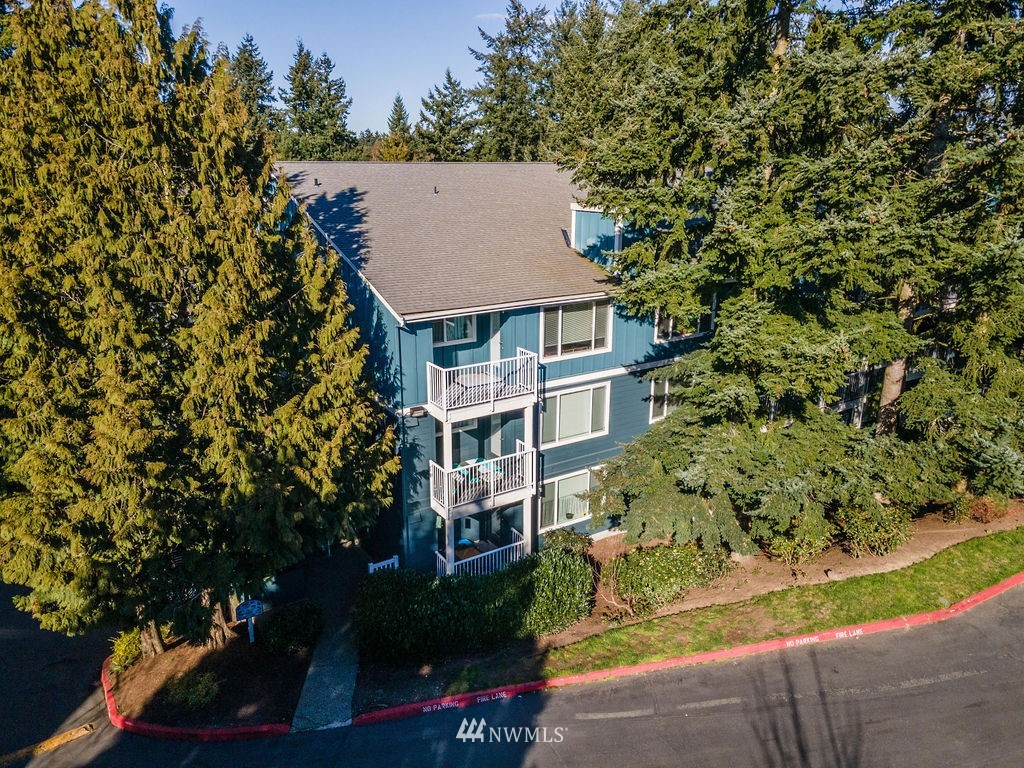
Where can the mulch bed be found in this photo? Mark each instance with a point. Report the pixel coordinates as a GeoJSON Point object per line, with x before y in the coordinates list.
{"type": "Point", "coordinates": [257, 687]}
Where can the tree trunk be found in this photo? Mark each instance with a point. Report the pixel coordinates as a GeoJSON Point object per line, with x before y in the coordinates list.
{"type": "Point", "coordinates": [152, 640]}
{"type": "Point", "coordinates": [896, 370]}
{"type": "Point", "coordinates": [782, 32]}
{"type": "Point", "coordinates": [219, 631]}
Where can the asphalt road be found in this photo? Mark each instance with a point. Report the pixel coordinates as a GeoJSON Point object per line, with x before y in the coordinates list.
{"type": "Point", "coordinates": [44, 677]}
{"type": "Point", "coordinates": [950, 694]}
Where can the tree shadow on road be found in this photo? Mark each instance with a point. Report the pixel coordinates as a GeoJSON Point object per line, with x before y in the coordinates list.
{"type": "Point", "coordinates": [804, 726]}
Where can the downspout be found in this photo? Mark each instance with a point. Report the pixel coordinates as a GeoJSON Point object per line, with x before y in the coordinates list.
{"type": "Point", "coordinates": [402, 439]}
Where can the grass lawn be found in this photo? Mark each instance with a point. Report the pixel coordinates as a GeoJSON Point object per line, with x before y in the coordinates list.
{"type": "Point", "coordinates": [938, 582]}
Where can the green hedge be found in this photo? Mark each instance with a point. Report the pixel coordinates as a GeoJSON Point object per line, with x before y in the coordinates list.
{"type": "Point", "coordinates": [404, 616]}
{"type": "Point", "coordinates": [651, 577]}
{"type": "Point", "coordinates": [563, 592]}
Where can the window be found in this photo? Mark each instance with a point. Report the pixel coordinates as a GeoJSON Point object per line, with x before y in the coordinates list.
{"type": "Point", "coordinates": [575, 415]}
{"type": "Point", "coordinates": [660, 406]}
{"type": "Point", "coordinates": [576, 329]}
{"type": "Point", "coordinates": [454, 330]}
{"type": "Point", "coordinates": [667, 329]}
{"type": "Point", "coordinates": [562, 504]}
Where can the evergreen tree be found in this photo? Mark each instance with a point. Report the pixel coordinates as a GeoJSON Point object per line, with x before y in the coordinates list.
{"type": "Point", "coordinates": [512, 96]}
{"type": "Point", "coordinates": [834, 193]}
{"type": "Point", "coordinates": [445, 128]}
{"type": "Point", "coordinates": [315, 115]}
{"type": "Point", "coordinates": [183, 409]}
{"type": "Point", "coordinates": [396, 146]}
{"type": "Point", "coordinates": [578, 35]}
{"type": "Point", "coordinates": [255, 85]}
{"type": "Point", "coordinates": [366, 145]}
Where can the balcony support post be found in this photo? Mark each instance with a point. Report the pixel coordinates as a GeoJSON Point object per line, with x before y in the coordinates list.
{"type": "Point", "coordinates": [530, 505]}
{"type": "Point", "coordinates": [447, 460]}
{"type": "Point", "coordinates": [449, 544]}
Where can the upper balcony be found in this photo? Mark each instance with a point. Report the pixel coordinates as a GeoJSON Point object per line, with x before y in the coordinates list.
{"type": "Point", "coordinates": [473, 391]}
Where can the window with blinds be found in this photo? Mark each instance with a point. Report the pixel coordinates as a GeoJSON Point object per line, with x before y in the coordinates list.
{"type": "Point", "coordinates": [561, 503]}
{"type": "Point", "coordinates": [573, 329]}
{"type": "Point", "coordinates": [576, 415]}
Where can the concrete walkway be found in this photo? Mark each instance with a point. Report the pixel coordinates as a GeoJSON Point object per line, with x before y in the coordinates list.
{"type": "Point", "coordinates": [326, 698]}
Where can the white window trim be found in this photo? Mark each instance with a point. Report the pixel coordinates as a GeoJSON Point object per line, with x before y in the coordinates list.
{"type": "Point", "coordinates": [694, 334]}
{"type": "Point", "coordinates": [654, 418]}
{"type": "Point", "coordinates": [468, 340]}
{"type": "Point", "coordinates": [607, 386]}
{"type": "Point", "coordinates": [586, 352]}
{"type": "Point", "coordinates": [566, 523]}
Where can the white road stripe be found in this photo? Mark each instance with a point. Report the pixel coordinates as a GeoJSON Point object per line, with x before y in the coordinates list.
{"type": "Point", "coordinates": [710, 703]}
{"type": "Point", "coordinates": [614, 715]}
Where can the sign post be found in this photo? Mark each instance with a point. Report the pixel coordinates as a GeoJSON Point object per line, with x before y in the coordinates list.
{"type": "Point", "coordinates": [249, 610]}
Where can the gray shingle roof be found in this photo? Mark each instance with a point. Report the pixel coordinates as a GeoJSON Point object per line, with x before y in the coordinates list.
{"type": "Point", "coordinates": [436, 238]}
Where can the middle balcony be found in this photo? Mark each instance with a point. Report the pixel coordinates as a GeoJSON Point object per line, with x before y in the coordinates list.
{"type": "Point", "coordinates": [483, 484]}
{"type": "Point", "coordinates": [472, 391]}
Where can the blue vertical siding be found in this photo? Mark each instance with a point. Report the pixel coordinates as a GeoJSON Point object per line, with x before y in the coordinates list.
{"type": "Point", "coordinates": [595, 235]}
{"type": "Point", "coordinates": [629, 416]}
{"type": "Point", "coordinates": [379, 330]}
{"type": "Point", "coordinates": [632, 343]}
{"type": "Point", "coordinates": [420, 530]}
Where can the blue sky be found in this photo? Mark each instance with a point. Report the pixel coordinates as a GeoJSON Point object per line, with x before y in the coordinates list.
{"type": "Point", "coordinates": [381, 48]}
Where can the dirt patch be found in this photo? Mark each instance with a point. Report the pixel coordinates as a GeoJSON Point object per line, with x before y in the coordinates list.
{"type": "Point", "coordinates": [388, 686]}
{"type": "Point", "coordinates": [257, 687]}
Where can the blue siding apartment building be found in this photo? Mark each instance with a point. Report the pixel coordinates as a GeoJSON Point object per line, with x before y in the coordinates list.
{"type": "Point", "coordinates": [481, 292]}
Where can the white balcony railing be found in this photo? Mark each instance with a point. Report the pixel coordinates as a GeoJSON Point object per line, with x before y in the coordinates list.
{"type": "Point", "coordinates": [485, 562]}
{"type": "Point", "coordinates": [482, 481]}
{"type": "Point", "coordinates": [482, 383]}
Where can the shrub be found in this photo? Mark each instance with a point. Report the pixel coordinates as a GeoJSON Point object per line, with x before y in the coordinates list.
{"type": "Point", "coordinates": [804, 541]}
{"type": "Point", "coordinates": [293, 628]}
{"type": "Point", "coordinates": [876, 531]}
{"type": "Point", "coordinates": [958, 510]}
{"type": "Point", "coordinates": [126, 649]}
{"type": "Point", "coordinates": [403, 616]}
{"type": "Point", "coordinates": [193, 690]}
{"type": "Point", "coordinates": [650, 577]}
{"type": "Point", "coordinates": [568, 540]}
{"type": "Point", "coordinates": [563, 591]}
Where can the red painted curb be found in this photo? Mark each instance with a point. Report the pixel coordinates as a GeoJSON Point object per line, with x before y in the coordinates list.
{"type": "Point", "coordinates": [181, 734]}
{"type": "Point", "coordinates": [843, 633]}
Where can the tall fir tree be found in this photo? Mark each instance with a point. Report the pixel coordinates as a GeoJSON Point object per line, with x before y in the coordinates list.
{"type": "Point", "coordinates": [183, 409]}
{"type": "Point", "coordinates": [315, 115]}
{"type": "Point", "coordinates": [798, 164]}
{"type": "Point", "coordinates": [577, 37]}
{"type": "Point", "coordinates": [255, 85]}
{"type": "Point", "coordinates": [512, 95]}
{"type": "Point", "coordinates": [446, 126]}
{"type": "Point", "coordinates": [397, 145]}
